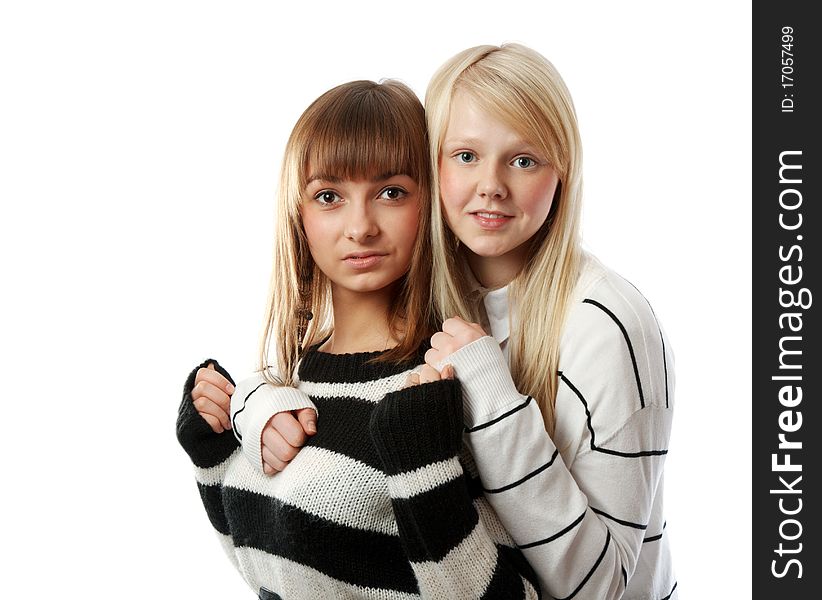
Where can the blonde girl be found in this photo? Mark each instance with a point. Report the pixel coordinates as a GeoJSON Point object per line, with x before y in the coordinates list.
{"type": "Point", "coordinates": [570, 442]}
{"type": "Point", "coordinates": [377, 504]}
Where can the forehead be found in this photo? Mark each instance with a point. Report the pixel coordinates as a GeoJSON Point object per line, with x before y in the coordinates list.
{"type": "Point", "coordinates": [470, 122]}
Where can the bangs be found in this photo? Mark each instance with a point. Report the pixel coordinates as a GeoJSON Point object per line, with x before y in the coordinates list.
{"type": "Point", "coordinates": [506, 96]}
{"type": "Point", "coordinates": [368, 134]}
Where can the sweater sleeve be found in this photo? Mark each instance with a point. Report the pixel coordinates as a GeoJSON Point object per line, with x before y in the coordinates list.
{"type": "Point", "coordinates": [580, 514]}
{"type": "Point", "coordinates": [253, 404]}
{"type": "Point", "coordinates": [417, 433]}
{"type": "Point", "coordinates": [211, 453]}
{"type": "Point", "coordinates": [205, 447]}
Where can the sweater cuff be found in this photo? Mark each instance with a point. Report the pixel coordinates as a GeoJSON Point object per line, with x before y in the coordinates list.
{"type": "Point", "coordinates": [487, 386]}
{"type": "Point", "coordinates": [418, 426]}
{"type": "Point", "coordinates": [257, 401]}
{"type": "Point", "coordinates": [205, 447]}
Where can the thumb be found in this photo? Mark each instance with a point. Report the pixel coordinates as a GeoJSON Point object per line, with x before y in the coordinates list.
{"type": "Point", "coordinates": [448, 372]}
{"type": "Point", "coordinates": [308, 419]}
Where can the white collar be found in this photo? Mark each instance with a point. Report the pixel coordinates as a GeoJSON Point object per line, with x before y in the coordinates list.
{"type": "Point", "coordinates": [496, 307]}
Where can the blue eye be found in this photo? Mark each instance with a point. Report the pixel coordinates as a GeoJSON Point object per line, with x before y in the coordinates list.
{"type": "Point", "coordinates": [393, 193]}
{"type": "Point", "coordinates": [466, 157]}
{"type": "Point", "coordinates": [523, 162]}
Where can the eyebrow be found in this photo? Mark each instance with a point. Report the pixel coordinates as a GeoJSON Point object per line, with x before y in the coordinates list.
{"type": "Point", "coordinates": [336, 179]}
{"type": "Point", "coordinates": [462, 141]}
{"type": "Point", "coordinates": [472, 142]}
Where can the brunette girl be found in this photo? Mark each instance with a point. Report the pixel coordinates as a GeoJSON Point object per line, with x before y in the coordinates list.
{"type": "Point", "coordinates": [377, 504]}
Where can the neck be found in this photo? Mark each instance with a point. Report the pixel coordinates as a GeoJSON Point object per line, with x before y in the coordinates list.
{"type": "Point", "coordinates": [497, 271]}
{"type": "Point", "coordinates": [360, 322]}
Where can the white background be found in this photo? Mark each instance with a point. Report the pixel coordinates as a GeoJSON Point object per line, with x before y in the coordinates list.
{"type": "Point", "coordinates": [139, 149]}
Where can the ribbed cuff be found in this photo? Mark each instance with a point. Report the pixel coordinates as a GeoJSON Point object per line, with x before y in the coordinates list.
{"type": "Point", "coordinates": [205, 447]}
{"type": "Point", "coordinates": [418, 425]}
{"type": "Point", "coordinates": [255, 403]}
{"type": "Point", "coordinates": [487, 386]}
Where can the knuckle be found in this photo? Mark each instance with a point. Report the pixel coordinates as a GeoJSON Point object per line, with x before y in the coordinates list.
{"type": "Point", "coordinates": [269, 437]}
{"type": "Point", "coordinates": [286, 453]}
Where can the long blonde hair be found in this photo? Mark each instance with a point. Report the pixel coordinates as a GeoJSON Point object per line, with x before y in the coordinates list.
{"type": "Point", "coordinates": [359, 129]}
{"type": "Point", "coordinates": [524, 90]}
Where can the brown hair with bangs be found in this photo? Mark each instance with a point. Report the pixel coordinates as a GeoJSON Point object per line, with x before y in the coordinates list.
{"type": "Point", "coordinates": [357, 130]}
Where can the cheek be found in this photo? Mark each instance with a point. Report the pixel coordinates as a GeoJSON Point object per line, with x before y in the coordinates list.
{"type": "Point", "coordinates": [407, 227]}
{"type": "Point", "coordinates": [316, 231]}
{"type": "Point", "coordinates": [540, 198]}
{"type": "Point", "coordinates": [452, 192]}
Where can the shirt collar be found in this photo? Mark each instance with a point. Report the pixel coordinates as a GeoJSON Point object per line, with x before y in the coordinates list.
{"type": "Point", "coordinates": [496, 307]}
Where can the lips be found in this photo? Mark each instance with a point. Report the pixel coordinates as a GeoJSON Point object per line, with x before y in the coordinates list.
{"type": "Point", "coordinates": [490, 219]}
{"type": "Point", "coordinates": [363, 260]}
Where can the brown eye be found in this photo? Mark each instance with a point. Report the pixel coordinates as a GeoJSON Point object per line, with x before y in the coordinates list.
{"type": "Point", "coordinates": [326, 197]}
{"type": "Point", "coordinates": [393, 193]}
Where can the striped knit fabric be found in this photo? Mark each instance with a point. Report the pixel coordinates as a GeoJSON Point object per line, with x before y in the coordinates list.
{"type": "Point", "coordinates": [380, 503]}
{"type": "Point", "coordinates": [585, 505]}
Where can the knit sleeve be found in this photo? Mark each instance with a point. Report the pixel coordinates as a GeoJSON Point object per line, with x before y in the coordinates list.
{"type": "Point", "coordinates": [205, 447]}
{"type": "Point", "coordinates": [253, 404]}
{"type": "Point", "coordinates": [417, 432]}
{"type": "Point", "coordinates": [211, 453]}
{"type": "Point", "coordinates": [583, 513]}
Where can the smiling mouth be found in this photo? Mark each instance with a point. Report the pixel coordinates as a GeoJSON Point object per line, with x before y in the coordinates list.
{"type": "Point", "coordinates": [490, 220]}
{"type": "Point", "coordinates": [490, 215]}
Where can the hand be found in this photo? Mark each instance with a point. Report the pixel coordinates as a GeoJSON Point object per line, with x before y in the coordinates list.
{"type": "Point", "coordinates": [284, 435]}
{"type": "Point", "coordinates": [428, 374]}
{"type": "Point", "coordinates": [455, 334]}
{"type": "Point", "coordinates": [211, 395]}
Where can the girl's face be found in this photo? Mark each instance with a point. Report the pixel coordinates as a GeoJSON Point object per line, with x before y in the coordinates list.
{"type": "Point", "coordinates": [496, 188]}
{"type": "Point", "coordinates": [361, 233]}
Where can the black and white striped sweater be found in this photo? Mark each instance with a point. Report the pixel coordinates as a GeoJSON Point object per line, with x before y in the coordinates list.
{"type": "Point", "coordinates": [378, 504]}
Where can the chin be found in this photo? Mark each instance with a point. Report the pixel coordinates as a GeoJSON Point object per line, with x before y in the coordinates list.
{"type": "Point", "coordinates": [488, 249]}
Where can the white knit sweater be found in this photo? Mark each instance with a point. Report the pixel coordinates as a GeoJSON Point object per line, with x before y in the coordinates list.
{"type": "Point", "coordinates": [586, 506]}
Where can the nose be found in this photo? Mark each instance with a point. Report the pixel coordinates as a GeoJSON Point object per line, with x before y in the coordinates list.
{"type": "Point", "coordinates": [360, 222]}
{"type": "Point", "coordinates": [491, 183]}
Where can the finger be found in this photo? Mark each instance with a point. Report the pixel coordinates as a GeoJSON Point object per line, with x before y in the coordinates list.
{"type": "Point", "coordinates": [206, 406]}
{"type": "Point", "coordinates": [429, 374]}
{"type": "Point", "coordinates": [454, 325]}
{"type": "Point", "coordinates": [213, 422]}
{"type": "Point", "coordinates": [215, 378]}
{"type": "Point", "coordinates": [458, 327]}
{"type": "Point", "coordinates": [272, 463]}
{"type": "Point", "coordinates": [442, 341]}
{"type": "Point", "coordinates": [434, 357]}
{"type": "Point", "coordinates": [447, 372]}
{"type": "Point", "coordinates": [464, 333]}
{"type": "Point", "coordinates": [276, 444]}
{"type": "Point", "coordinates": [289, 427]}
{"type": "Point", "coordinates": [412, 380]}
{"type": "Point", "coordinates": [213, 393]}
{"type": "Point", "coordinates": [308, 419]}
